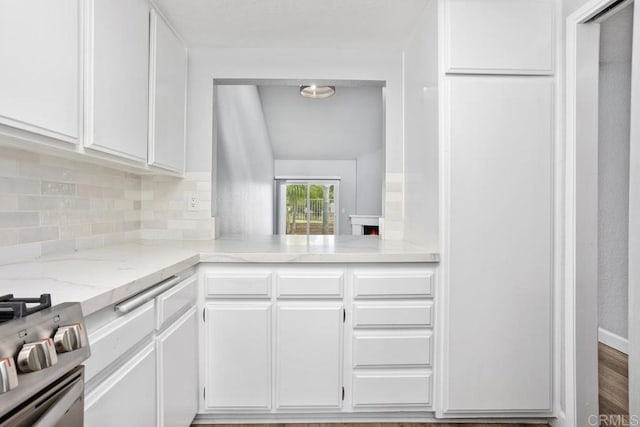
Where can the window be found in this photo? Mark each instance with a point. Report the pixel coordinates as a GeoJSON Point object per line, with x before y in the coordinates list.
{"type": "Point", "coordinates": [307, 206]}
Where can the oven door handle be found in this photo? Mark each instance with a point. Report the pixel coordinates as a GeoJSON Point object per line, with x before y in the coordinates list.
{"type": "Point", "coordinates": [54, 414]}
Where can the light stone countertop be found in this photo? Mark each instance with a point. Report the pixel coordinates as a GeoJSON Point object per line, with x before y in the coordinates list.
{"type": "Point", "coordinates": [100, 277]}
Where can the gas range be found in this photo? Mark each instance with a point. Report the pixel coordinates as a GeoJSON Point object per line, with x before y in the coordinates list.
{"type": "Point", "coordinates": [41, 348]}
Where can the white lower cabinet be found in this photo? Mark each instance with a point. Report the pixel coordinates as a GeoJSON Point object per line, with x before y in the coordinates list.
{"type": "Point", "coordinates": [282, 339]}
{"type": "Point", "coordinates": [143, 370]}
{"type": "Point", "coordinates": [238, 356]}
{"type": "Point", "coordinates": [178, 371]}
{"type": "Point", "coordinates": [124, 398]}
{"type": "Point", "coordinates": [309, 354]}
{"type": "Point", "coordinates": [392, 389]}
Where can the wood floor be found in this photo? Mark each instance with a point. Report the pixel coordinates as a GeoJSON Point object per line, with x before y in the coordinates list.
{"type": "Point", "coordinates": [613, 376]}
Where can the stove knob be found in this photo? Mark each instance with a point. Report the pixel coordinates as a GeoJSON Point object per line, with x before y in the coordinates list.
{"type": "Point", "coordinates": [37, 355]}
{"type": "Point", "coordinates": [8, 375]}
{"type": "Point", "coordinates": [69, 338]}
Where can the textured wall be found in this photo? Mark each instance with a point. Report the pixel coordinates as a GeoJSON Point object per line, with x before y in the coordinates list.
{"type": "Point", "coordinates": [613, 171]}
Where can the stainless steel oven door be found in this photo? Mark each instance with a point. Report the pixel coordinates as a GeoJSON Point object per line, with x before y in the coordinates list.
{"type": "Point", "coordinates": [61, 404]}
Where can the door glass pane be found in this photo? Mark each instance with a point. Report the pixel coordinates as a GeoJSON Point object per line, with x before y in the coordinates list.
{"type": "Point", "coordinates": [296, 209]}
{"type": "Point", "coordinates": [321, 209]}
{"type": "Point", "coordinates": [310, 208]}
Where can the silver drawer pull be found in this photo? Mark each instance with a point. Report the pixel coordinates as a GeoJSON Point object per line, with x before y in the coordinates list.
{"type": "Point", "coordinates": [140, 299]}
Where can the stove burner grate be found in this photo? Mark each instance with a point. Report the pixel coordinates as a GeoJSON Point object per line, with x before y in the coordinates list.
{"type": "Point", "coordinates": [15, 308]}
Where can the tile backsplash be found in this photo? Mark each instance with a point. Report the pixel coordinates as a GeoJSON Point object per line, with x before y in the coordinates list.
{"type": "Point", "coordinates": [51, 204]}
{"type": "Point", "coordinates": [166, 213]}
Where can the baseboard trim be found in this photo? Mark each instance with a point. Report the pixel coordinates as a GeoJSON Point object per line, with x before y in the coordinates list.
{"type": "Point", "coordinates": [359, 418]}
{"type": "Point", "coordinates": [613, 340]}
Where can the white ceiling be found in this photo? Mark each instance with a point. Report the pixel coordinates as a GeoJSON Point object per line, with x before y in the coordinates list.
{"type": "Point", "coordinates": [293, 23]}
{"type": "Point", "coordinates": [343, 127]}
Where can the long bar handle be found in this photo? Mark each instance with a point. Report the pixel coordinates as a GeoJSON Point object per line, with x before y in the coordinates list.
{"type": "Point", "coordinates": [140, 299]}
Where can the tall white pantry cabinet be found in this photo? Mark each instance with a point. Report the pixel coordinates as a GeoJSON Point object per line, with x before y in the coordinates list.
{"type": "Point", "coordinates": [497, 150]}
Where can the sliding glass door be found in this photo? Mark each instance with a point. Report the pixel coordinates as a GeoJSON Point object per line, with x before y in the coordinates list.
{"type": "Point", "coordinates": [307, 207]}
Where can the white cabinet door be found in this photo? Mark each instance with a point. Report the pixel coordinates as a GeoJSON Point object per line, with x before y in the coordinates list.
{"type": "Point", "coordinates": [128, 396]}
{"type": "Point", "coordinates": [499, 36]}
{"type": "Point", "coordinates": [178, 372]}
{"type": "Point", "coordinates": [238, 356]}
{"type": "Point", "coordinates": [40, 71]}
{"type": "Point", "coordinates": [309, 355]}
{"type": "Point", "coordinates": [168, 97]}
{"type": "Point", "coordinates": [118, 78]}
{"type": "Point", "coordinates": [497, 260]}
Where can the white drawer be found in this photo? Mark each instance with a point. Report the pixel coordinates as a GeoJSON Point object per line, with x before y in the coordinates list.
{"type": "Point", "coordinates": [116, 337]}
{"type": "Point", "coordinates": [393, 284]}
{"type": "Point", "coordinates": [310, 285]}
{"type": "Point", "coordinates": [392, 349]}
{"type": "Point", "coordinates": [176, 300]}
{"type": "Point", "coordinates": [232, 285]}
{"type": "Point", "coordinates": [417, 314]}
{"type": "Point", "coordinates": [392, 390]}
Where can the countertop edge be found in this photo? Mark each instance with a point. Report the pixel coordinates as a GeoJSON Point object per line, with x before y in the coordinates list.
{"type": "Point", "coordinates": [332, 258]}
{"type": "Point", "coordinates": [125, 291]}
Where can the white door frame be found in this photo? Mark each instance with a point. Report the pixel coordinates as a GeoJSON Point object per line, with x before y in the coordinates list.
{"type": "Point", "coordinates": [580, 216]}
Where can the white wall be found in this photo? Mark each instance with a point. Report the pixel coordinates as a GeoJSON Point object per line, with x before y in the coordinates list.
{"type": "Point", "coordinates": [370, 183]}
{"type": "Point", "coordinates": [345, 169]}
{"type": "Point", "coordinates": [345, 129]}
{"type": "Point", "coordinates": [341, 127]}
{"type": "Point", "coordinates": [570, 6]}
{"type": "Point", "coordinates": [421, 133]}
{"type": "Point", "coordinates": [244, 194]}
{"type": "Point", "coordinates": [613, 171]}
{"type": "Point", "coordinates": [332, 64]}
{"type": "Point", "coordinates": [206, 64]}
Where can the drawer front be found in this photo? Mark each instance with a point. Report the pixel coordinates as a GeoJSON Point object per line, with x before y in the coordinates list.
{"type": "Point", "coordinates": [176, 300]}
{"type": "Point", "coordinates": [393, 285]}
{"type": "Point", "coordinates": [405, 314]}
{"type": "Point", "coordinates": [115, 338]}
{"type": "Point", "coordinates": [239, 285]}
{"type": "Point", "coordinates": [291, 285]}
{"type": "Point", "coordinates": [391, 350]}
{"type": "Point", "coordinates": [391, 390]}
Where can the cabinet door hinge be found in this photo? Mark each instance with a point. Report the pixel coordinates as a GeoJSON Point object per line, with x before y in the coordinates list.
{"type": "Point", "coordinates": [344, 315]}
{"type": "Point", "coordinates": [204, 312]}
{"type": "Point", "coordinates": [342, 392]}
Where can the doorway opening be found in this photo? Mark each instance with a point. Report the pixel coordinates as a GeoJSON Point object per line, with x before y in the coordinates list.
{"type": "Point", "coordinates": [599, 187]}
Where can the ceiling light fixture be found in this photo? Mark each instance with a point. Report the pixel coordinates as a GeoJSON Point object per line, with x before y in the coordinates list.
{"type": "Point", "coordinates": [317, 92]}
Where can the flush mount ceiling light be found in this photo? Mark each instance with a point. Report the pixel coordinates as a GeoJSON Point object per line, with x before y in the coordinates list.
{"type": "Point", "coordinates": [317, 92]}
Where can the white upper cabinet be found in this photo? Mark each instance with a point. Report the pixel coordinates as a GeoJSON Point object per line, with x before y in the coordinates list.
{"type": "Point", "coordinates": [117, 90]}
{"type": "Point", "coordinates": [499, 36]}
{"type": "Point", "coordinates": [40, 71]}
{"type": "Point", "coordinates": [168, 76]}
{"type": "Point", "coordinates": [498, 347]}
